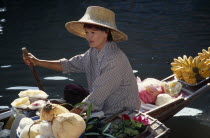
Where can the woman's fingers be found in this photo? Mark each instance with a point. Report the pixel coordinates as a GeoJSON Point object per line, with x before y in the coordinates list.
{"type": "Point", "coordinates": [29, 59]}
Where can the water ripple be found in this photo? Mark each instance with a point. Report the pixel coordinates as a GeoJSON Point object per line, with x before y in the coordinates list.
{"type": "Point", "coordinates": [57, 78]}
{"type": "Point", "coordinates": [6, 66]}
{"type": "Point", "coordinates": [189, 112]}
{"type": "Point", "coordinates": [3, 9]}
{"type": "Point", "coordinates": [22, 88]}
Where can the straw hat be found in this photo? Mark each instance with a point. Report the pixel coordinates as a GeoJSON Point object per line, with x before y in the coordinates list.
{"type": "Point", "coordinates": [97, 16]}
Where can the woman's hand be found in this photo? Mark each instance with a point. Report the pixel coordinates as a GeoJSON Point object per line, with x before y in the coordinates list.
{"type": "Point", "coordinates": [30, 59]}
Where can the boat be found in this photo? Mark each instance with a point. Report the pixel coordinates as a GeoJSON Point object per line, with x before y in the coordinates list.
{"type": "Point", "coordinates": [191, 92]}
{"type": "Point", "coordinates": [155, 129]}
{"type": "Point", "coordinates": [158, 114]}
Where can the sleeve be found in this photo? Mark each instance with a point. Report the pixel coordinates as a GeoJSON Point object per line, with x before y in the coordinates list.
{"type": "Point", "coordinates": [75, 64]}
{"type": "Point", "coordinates": [104, 85]}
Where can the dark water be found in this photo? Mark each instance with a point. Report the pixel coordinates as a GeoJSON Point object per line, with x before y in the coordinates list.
{"type": "Point", "coordinates": [158, 32]}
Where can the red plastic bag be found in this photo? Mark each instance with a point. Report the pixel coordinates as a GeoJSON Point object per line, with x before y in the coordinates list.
{"type": "Point", "coordinates": [149, 89]}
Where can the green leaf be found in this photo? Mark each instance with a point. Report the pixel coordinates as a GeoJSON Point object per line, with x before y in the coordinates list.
{"type": "Point", "coordinates": [63, 104]}
{"type": "Point", "coordinates": [139, 125]}
{"type": "Point", "coordinates": [89, 110]}
{"type": "Point", "coordinates": [109, 135]}
{"type": "Point", "coordinates": [93, 120]}
{"type": "Point", "coordinates": [92, 133]}
{"type": "Point", "coordinates": [106, 127]}
{"type": "Point", "coordinates": [89, 127]}
{"type": "Point", "coordinates": [78, 105]}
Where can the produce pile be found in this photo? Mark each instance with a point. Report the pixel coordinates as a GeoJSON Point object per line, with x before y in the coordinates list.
{"type": "Point", "coordinates": [192, 70]}
{"type": "Point", "coordinates": [154, 92]}
{"type": "Point", "coordinates": [55, 122]}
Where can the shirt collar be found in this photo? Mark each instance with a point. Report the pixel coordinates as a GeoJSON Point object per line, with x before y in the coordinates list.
{"type": "Point", "coordinates": [104, 51]}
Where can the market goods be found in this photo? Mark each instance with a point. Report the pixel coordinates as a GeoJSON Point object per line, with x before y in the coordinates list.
{"type": "Point", "coordinates": [46, 129]}
{"type": "Point", "coordinates": [23, 123]}
{"type": "Point", "coordinates": [50, 111]}
{"type": "Point", "coordinates": [68, 125]}
{"type": "Point", "coordinates": [172, 87]}
{"type": "Point", "coordinates": [163, 99]}
{"type": "Point", "coordinates": [30, 131]}
{"type": "Point", "coordinates": [37, 105]}
{"type": "Point", "coordinates": [189, 69]}
{"type": "Point", "coordinates": [21, 103]}
{"type": "Point", "coordinates": [33, 94]}
{"type": "Point", "coordinates": [205, 54]}
{"type": "Point", "coordinates": [149, 88]}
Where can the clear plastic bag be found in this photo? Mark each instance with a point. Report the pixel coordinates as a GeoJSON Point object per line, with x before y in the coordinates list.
{"type": "Point", "coordinates": [149, 89]}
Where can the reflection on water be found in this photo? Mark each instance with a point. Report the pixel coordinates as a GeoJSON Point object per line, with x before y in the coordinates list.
{"type": "Point", "coordinates": [158, 32]}
{"type": "Point", "coordinates": [6, 66]}
{"type": "Point", "coordinates": [2, 20]}
{"type": "Point", "coordinates": [58, 78]}
{"type": "Point", "coordinates": [22, 88]}
{"type": "Point", "coordinates": [189, 112]}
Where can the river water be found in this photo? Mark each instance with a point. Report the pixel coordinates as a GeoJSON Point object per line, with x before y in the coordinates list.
{"type": "Point", "coordinates": [158, 32]}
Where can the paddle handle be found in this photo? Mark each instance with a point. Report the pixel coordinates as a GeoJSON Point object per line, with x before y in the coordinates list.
{"type": "Point", "coordinates": [36, 77]}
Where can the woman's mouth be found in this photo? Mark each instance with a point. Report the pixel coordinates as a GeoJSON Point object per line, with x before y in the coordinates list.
{"type": "Point", "coordinates": [90, 41]}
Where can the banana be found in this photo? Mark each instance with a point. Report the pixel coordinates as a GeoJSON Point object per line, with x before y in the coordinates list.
{"type": "Point", "coordinates": [201, 63]}
{"type": "Point", "coordinates": [189, 60]}
{"type": "Point", "coordinates": [178, 62]}
{"type": "Point", "coordinates": [191, 81]}
{"type": "Point", "coordinates": [197, 60]}
{"type": "Point", "coordinates": [207, 61]}
{"type": "Point", "coordinates": [180, 59]}
{"type": "Point", "coordinates": [205, 52]}
{"type": "Point", "coordinates": [205, 74]}
{"type": "Point", "coordinates": [174, 64]}
{"type": "Point", "coordinates": [175, 68]}
{"type": "Point", "coordinates": [192, 69]}
{"type": "Point", "coordinates": [185, 60]}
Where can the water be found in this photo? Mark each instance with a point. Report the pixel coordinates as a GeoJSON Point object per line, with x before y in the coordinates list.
{"type": "Point", "coordinates": [158, 32]}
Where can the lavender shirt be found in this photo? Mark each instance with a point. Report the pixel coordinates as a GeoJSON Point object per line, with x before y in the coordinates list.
{"type": "Point", "coordinates": [110, 78]}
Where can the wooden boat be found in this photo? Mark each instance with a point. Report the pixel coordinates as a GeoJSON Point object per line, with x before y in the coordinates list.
{"type": "Point", "coordinates": [165, 112]}
{"type": "Point", "coordinates": [155, 129]}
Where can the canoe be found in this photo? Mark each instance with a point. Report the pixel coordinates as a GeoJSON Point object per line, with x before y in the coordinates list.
{"type": "Point", "coordinates": [161, 113]}
{"type": "Point", "coordinates": [155, 129]}
{"type": "Point", "coordinates": [191, 92]}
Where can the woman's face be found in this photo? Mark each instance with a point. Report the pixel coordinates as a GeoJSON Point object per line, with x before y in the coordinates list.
{"type": "Point", "coordinates": [96, 38]}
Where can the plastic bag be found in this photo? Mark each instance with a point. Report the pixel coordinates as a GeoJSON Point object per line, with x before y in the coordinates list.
{"type": "Point", "coordinates": [149, 89]}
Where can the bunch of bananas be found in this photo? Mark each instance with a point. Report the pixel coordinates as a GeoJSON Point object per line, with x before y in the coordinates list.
{"type": "Point", "coordinates": [192, 70]}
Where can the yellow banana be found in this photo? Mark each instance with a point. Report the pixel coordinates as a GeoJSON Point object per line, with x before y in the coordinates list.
{"type": "Point", "coordinates": [174, 64]}
{"type": "Point", "coordinates": [207, 61]}
{"type": "Point", "coordinates": [175, 68]}
{"type": "Point", "coordinates": [189, 60]}
{"type": "Point", "coordinates": [185, 60]}
{"type": "Point", "coordinates": [205, 74]}
{"type": "Point", "coordinates": [201, 63]}
{"type": "Point", "coordinates": [209, 49]}
{"type": "Point", "coordinates": [205, 52]}
{"type": "Point", "coordinates": [180, 59]}
{"type": "Point", "coordinates": [197, 60]}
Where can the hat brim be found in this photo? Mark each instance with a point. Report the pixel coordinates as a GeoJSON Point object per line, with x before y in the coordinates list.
{"type": "Point", "coordinates": [76, 28]}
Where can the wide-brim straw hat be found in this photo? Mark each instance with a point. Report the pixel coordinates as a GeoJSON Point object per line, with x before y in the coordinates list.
{"type": "Point", "coordinates": [97, 16]}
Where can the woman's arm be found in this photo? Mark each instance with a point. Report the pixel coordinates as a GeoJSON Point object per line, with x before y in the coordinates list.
{"type": "Point", "coordinates": [50, 64]}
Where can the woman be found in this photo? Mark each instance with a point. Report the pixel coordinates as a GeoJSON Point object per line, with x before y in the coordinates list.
{"type": "Point", "coordinates": [111, 82]}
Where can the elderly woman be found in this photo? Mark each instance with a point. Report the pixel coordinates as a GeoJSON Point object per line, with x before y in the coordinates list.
{"type": "Point", "coordinates": [111, 83]}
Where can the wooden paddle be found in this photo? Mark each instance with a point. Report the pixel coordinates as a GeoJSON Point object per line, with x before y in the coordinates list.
{"type": "Point", "coordinates": [31, 66]}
